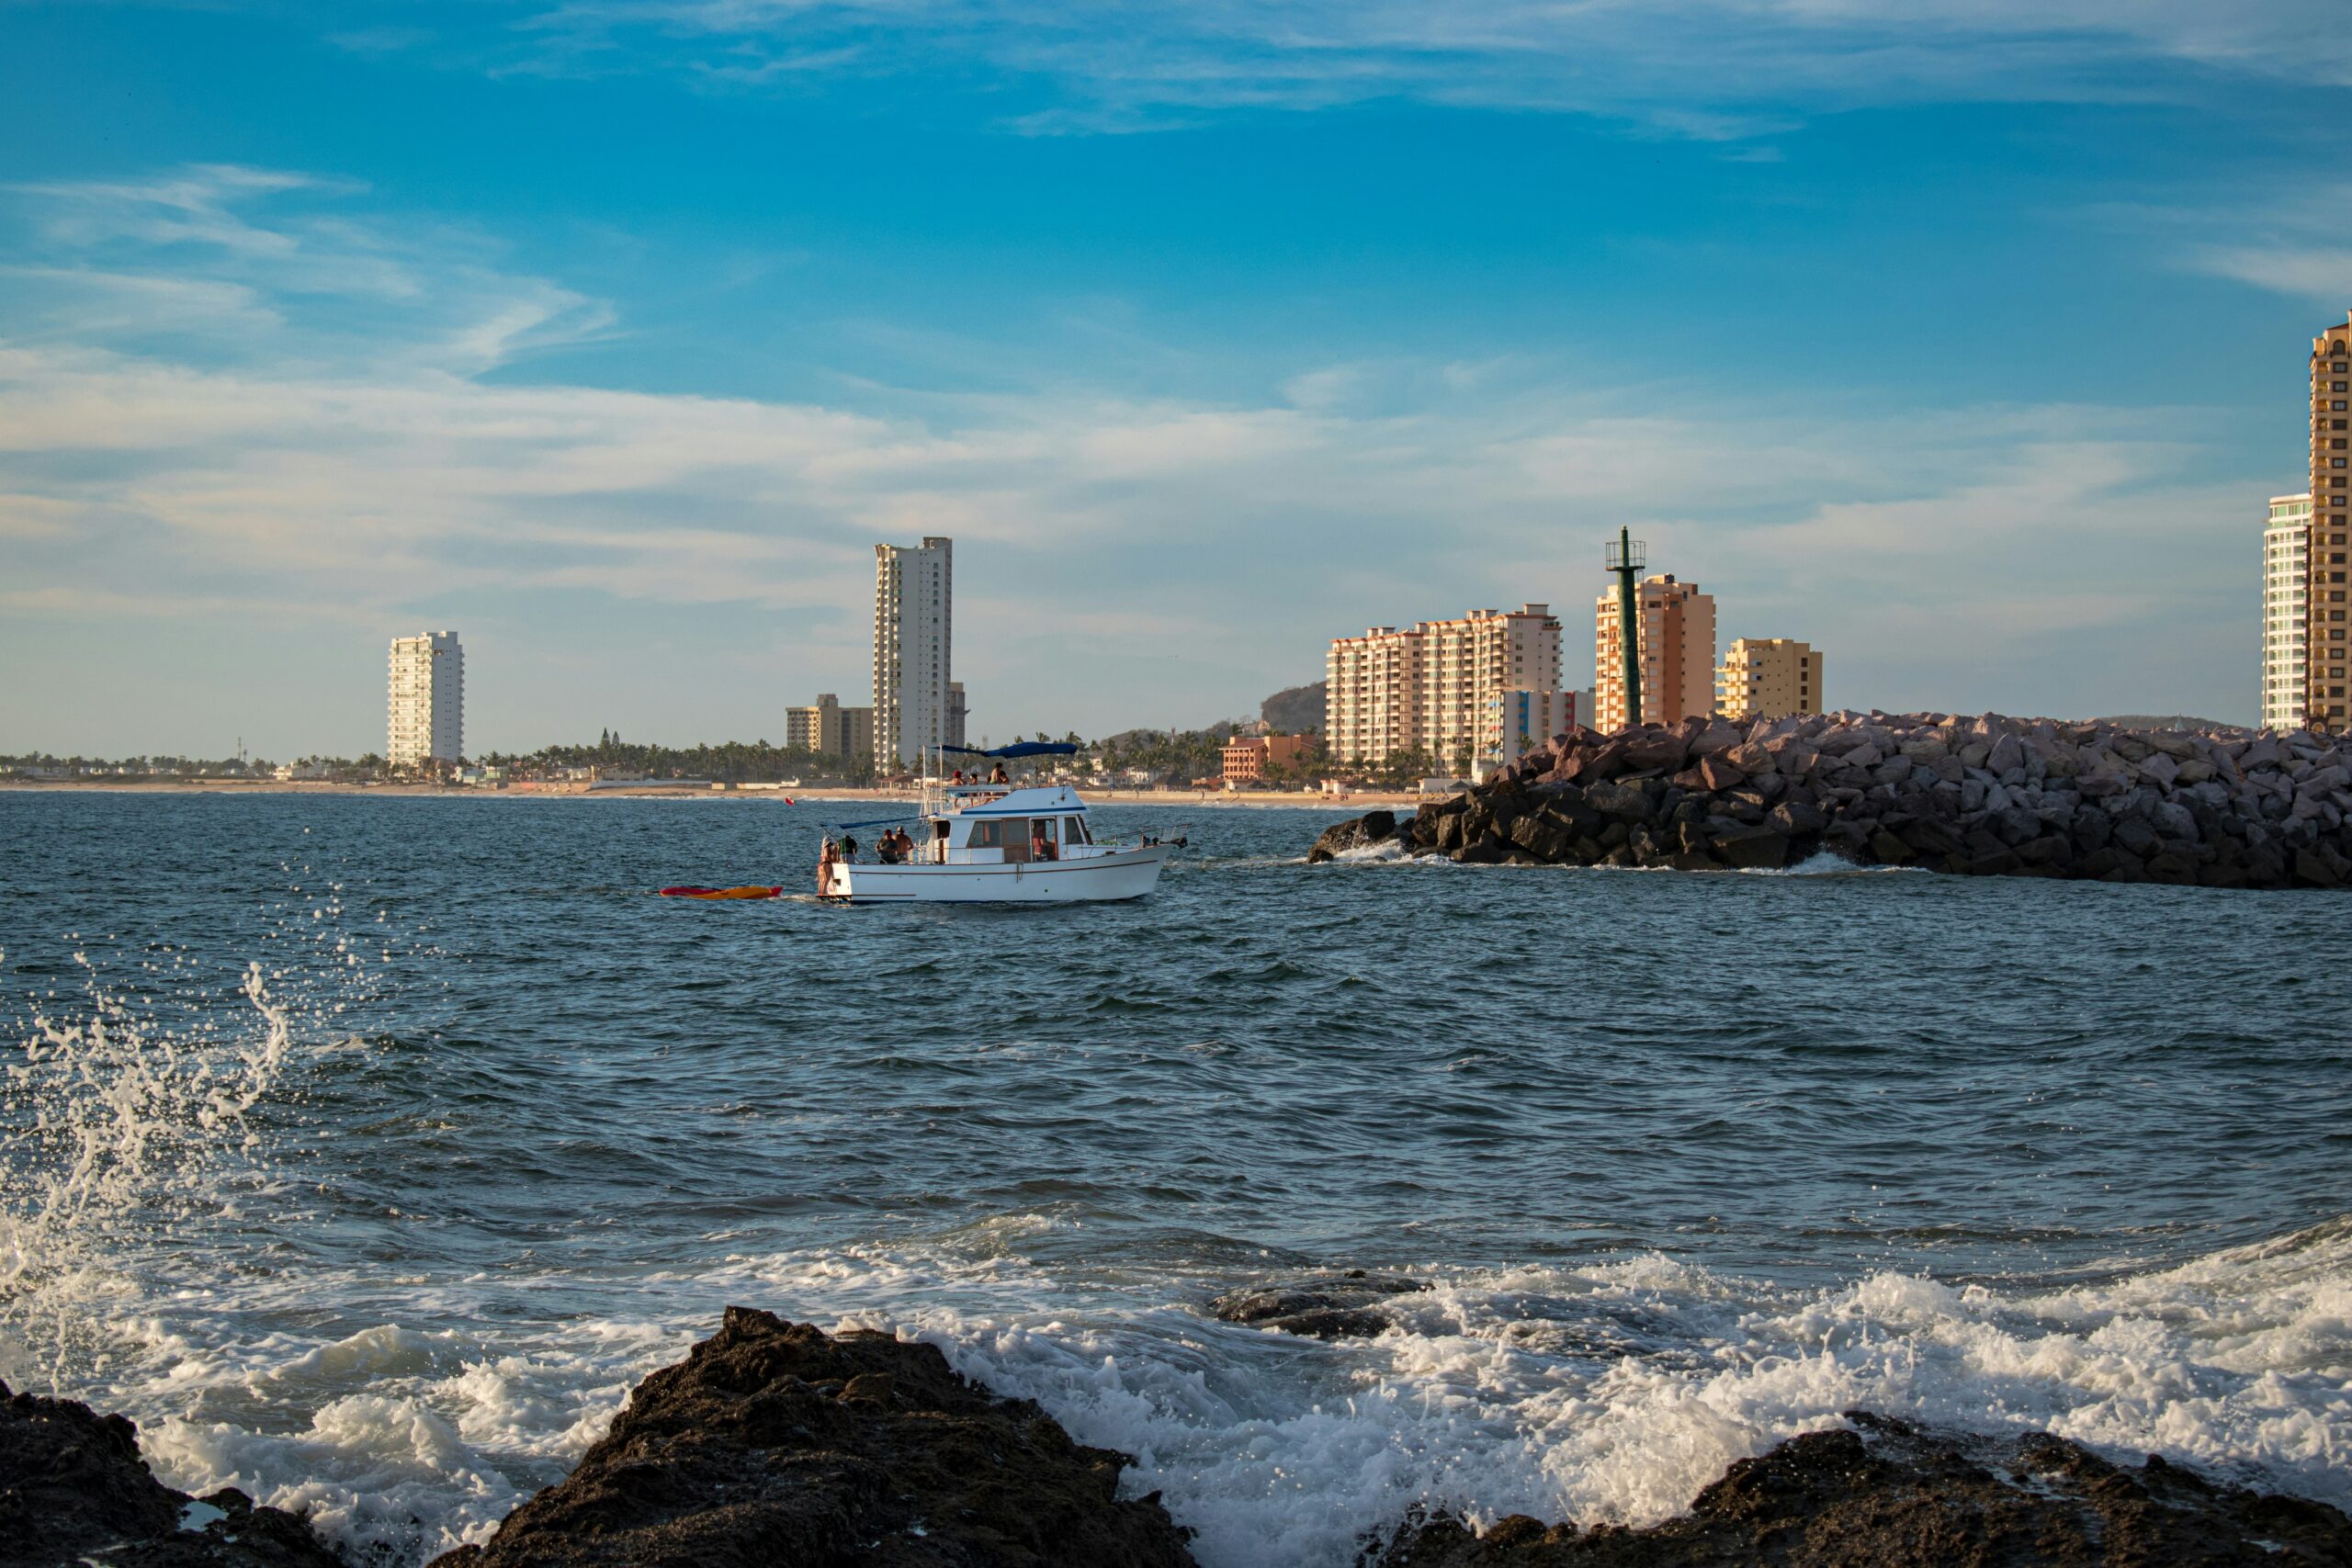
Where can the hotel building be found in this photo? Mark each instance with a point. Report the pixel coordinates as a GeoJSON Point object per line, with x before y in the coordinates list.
{"type": "Point", "coordinates": [1675, 643]}
{"type": "Point", "coordinates": [2286, 569]}
{"type": "Point", "coordinates": [2323, 640]}
{"type": "Point", "coordinates": [1247, 757]}
{"type": "Point", "coordinates": [1768, 677]}
{"type": "Point", "coordinates": [427, 718]}
{"type": "Point", "coordinates": [826, 726]}
{"type": "Point", "coordinates": [913, 606]}
{"type": "Point", "coordinates": [1434, 687]}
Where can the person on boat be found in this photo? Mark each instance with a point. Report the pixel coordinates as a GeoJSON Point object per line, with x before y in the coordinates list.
{"type": "Point", "coordinates": [1041, 847]}
{"type": "Point", "coordinates": [849, 847]}
{"type": "Point", "coordinates": [996, 774]}
{"type": "Point", "coordinates": [959, 778]}
{"type": "Point", "coordinates": [826, 857]}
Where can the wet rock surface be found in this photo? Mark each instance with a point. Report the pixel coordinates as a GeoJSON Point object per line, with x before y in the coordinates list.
{"type": "Point", "coordinates": [774, 1442]}
{"type": "Point", "coordinates": [74, 1489]}
{"type": "Point", "coordinates": [1887, 1495]}
{"type": "Point", "coordinates": [1983, 797]}
{"type": "Point", "coordinates": [1323, 1307]}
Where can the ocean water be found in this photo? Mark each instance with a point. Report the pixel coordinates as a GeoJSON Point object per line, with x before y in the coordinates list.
{"type": "Point", "coordinates": [367, 1151]}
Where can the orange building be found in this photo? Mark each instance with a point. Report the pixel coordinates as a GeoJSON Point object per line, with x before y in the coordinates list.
{"type": "Point", "coordinates": [2323, 638]}
{"type": "Point", "coordinates": [1246, 758]}
{"type": "Point", "coordinates": [1675, 641]}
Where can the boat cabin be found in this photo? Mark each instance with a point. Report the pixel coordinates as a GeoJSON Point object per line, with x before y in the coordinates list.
{"type": "Point", "coordinates": [1001, 824]}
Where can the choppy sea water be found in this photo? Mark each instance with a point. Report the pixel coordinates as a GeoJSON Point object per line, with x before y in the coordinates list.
{"type": "Point", "coordinates": [367, 1151]}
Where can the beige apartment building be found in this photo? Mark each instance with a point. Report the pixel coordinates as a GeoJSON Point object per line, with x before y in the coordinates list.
{"type": "Point", "coordinates": [2323, 639]}
{"type": "Point", "coordinates": [2286, 574]}
{"type": "Point", "coordinates": [1434, 687]}
{"type": "Point", "coordinates": [826, 726]}
{"type": "Point", "coordinates": [425, 717]}
{"type": "Point", "coordinates": [1675, 642]}
{"type": "Point", "coordinates": [1768, 677]}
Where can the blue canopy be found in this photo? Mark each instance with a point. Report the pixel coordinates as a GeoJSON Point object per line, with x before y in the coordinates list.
{"type": "Point", "coordinates": [1019, 748]}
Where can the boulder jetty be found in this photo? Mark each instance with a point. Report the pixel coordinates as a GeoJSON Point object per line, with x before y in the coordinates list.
{"type": "Point", "coordinates": [1974, 796]}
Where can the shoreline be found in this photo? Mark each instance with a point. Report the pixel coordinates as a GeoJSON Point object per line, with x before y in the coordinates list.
{"type": "Point", "coordinates": [1355, 801]}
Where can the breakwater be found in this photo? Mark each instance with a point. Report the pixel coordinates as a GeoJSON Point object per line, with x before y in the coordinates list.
{"type": "Point", "coordinates": [1983, 797]}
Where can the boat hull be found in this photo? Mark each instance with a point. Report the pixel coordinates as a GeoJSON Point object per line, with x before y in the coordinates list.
{"type": "Point", "coordinates": [1097, 879]}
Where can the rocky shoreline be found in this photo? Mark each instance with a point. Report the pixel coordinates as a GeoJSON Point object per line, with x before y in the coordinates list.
{"type": "Point", "coordinates": [1983, 797]}
{"type": "Point", "coordinates": [777, 1443]}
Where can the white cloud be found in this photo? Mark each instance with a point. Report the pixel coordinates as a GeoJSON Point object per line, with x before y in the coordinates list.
{"type": "Point", "coordinates": [1123, 555]}
{"type": "Point", "coordinates": [1725, 70]}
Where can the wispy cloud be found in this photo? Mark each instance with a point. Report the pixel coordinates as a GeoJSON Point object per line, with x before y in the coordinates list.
{"type": "Point", "coordinates": [370, 476]}
{"type": "Point", "coordinates": [1730, 70]}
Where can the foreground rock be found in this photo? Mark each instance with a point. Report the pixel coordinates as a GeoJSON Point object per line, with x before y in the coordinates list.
{"type": "Point", "coordinates": [774, 1442]}
{"type": "Point", "coordinates": [1984, 796]}
{"type": "Point", "coordinates": [74, 1489]}
{"type": "Point", "coordinates": [1326, 1307]}
{"type": "Point", "coordinates": [1888, 1495]}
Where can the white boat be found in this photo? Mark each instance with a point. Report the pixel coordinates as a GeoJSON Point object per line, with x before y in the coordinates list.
{"type": "Point", "coordinates": [998, 843]}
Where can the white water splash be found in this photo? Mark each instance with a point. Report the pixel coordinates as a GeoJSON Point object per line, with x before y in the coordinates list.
{"type": "Point", "coordinates": [119, 1133]}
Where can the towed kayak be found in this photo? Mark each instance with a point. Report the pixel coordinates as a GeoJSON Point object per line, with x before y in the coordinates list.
{"type": "Point", "coordinates": [721, 892]}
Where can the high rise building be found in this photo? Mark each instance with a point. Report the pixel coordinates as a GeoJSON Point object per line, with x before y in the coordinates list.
{"type": "Point", "coordinates": [826, 726]}
{"type": "Point", "coordinates": [1674, 643]}
{"type": "Point", "coordinates": [955, 714]}
{"type": "Point", "coordinates": [1768, 677]}
{"type": "Point", "coordinates": [427, 720]}
{"type": "Point", "coordinates": [1433, 686]}
{"type": "Point", "coordinates": [2286, 569]}
{"type": "Point", "coordinates": [2324, 641]}
{"type": "Point", "coordinates": [914, 605]}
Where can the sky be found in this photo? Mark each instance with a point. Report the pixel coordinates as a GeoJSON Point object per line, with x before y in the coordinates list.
{"type": "Point", "coordinates": [1964, 339]}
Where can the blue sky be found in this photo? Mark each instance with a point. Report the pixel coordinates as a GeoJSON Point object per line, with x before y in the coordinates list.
{"type": "Point", "coordinates": [1964, 339]}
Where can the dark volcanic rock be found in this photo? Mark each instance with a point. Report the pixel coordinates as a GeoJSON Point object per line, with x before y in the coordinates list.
{"type": "Point", "coordinates": [1328, 1306]}
{"type": "Point", "coordinates": [1984, 796]}
{"type": "Point", "coordinates": [1889, 1496]}
{"type": "Point", "coordinates": [74, 1489]}
{"type": "Point", "coordinates": [1356, 833]}
{"type": "Point", "coordinates": [774, 1442]}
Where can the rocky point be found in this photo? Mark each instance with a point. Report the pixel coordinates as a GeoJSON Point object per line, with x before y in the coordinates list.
{"type": "Point", "coordinates": [1982, 797]}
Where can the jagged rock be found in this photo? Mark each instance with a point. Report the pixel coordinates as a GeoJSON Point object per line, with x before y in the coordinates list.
{"type": "Point", "coordinates": [1888, 1495]}
{"type": "Point", "coordinates": [1988, 796]}
{"type": "Point", "coordinates": [1356, 833]}
{"type": "Point", "coordinates": [74, 1489]}
{"type": "Point", "coordinates": [1322, 1306]}
{"type": "Point", "coordinates": [778, 1442]}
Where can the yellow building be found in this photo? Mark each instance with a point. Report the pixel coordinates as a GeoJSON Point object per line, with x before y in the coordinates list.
{"type": "Point", "coordinates": [1434, 687]}
{"type": "Point", "coordinates": [1675, 640]}
{"type": "Point", "coordinates": [827, 726]}
{"type": "Point", "coordinates": [1768, 677]}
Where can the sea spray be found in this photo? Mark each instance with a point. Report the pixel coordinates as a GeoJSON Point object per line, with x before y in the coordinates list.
{"type": "Point", "coordinates": [121, 1135]}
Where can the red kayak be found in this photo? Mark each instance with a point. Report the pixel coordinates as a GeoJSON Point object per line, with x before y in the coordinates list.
{"type": "Point", "coordinates": [721, 892]}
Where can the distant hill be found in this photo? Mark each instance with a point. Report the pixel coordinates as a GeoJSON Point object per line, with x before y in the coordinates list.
{"type": "Point", "coordinates": [1299, 708]}
{"type": "Point", "coordinates": [2163, 721]}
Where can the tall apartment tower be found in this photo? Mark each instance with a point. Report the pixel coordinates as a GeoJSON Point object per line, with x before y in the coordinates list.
{"type": "Point", "coordinates": [2324, 641]}
{"type": "Point", "coordinates": [913, 602]}
{"type": "Point", "coordinates": [1436, 686]}
{"type": "Point", "coordinates": [1768, 677]}
{"type": "Point", "coordinates": [427, 720]}
{"type": "Point", "coordinates": [2286, 570]}
{"type": "Point", "coordinates": [1675, 640]}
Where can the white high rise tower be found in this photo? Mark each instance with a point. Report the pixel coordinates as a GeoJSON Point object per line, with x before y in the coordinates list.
{"type": "Point", "coordinates": [2286, 577]}
{"type": "Point", "coordinates": [913, 602]}
{"type": "Point", "coordinates": [428, 700]}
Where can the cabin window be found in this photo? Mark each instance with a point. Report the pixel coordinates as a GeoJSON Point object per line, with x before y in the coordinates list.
{"type": "Point", "coordinates": [1074, 831]}
{"type": "Point", "coordinates": [1003, 834]}
{"type": "Point", "coordinates": [1044, 839]}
